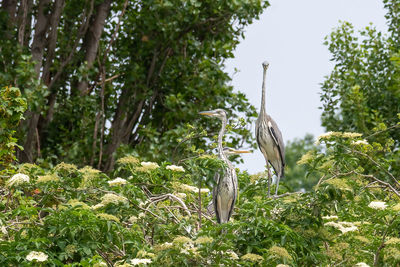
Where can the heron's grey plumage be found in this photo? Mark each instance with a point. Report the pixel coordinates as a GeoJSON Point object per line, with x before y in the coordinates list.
{"type": "Point", "coordinates": [225, 190]}
{"type": "Point", "coordinates": [269, 138]}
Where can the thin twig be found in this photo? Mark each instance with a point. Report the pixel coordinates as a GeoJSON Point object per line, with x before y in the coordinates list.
{"type": "Point", "coordinates": [378, 165]}
{"type": "Point", "coordinates": [172, 197]}
{"type": "Point", "coordinates": [376, 256]}
{"type": "Point", "coordinates": [380, 181]}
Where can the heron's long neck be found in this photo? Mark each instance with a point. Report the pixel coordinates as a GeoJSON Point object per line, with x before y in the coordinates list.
{"type": "Point", "coordinates": [220, 136]}
{"type": "Point", "coordinates": [262, 110]}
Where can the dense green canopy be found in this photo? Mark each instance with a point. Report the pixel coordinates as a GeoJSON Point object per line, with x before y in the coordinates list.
{"type": "Point", "coordinates": [101, 74]}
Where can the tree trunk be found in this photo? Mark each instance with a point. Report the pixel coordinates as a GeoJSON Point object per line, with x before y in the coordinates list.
{"type": "Point", "coordinates": [92, 39]}
{"type": "Point", "coordinates": [38, 45]}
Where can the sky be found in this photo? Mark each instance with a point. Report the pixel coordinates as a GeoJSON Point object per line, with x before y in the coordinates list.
{"type": "Point", "coordinates": [290, 36]}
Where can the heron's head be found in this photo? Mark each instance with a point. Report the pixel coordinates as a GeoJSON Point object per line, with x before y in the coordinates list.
{"type": "Point", "coordinates": [219, 113]}
{"type": "Point", "coordinates": [231, 151]}
{"type": "Point", "coordinates": [265, 65]}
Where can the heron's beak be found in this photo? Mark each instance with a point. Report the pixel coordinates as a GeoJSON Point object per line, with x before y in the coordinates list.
{"type": "Point", "coordinates": [242, 151]}
{"type": "Point", "coordinates": [206, 113]}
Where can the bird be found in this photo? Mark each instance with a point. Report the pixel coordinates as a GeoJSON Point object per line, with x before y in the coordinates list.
{"type": "Point", "coordinates": [228, 151]}
{"type": "Point", "coordinates": [269, 139]}
{"type": "Point", "coordinates": [225, 190]}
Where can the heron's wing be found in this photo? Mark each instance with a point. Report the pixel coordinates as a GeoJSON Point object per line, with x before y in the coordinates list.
{"type": "Point", "coordinates": [217, 177]}
{"type": "Point", "coordinates": [234, 181]}
{"type": "Point", "coordinates": [277, 137]}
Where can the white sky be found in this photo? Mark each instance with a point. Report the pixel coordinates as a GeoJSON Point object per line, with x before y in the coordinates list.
{"type": "Point", "coordinates": [290, 35]}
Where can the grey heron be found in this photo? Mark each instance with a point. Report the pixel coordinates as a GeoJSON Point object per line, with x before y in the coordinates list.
{"type": "Point", "coordinates": [228, 151]}
{"type": "Point", "coordinates": [269, 139]}
{"type": "Point", "coordinates": [225, 190]}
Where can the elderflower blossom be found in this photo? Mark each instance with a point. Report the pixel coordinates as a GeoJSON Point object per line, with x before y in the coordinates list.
{"type": "Point", "coordinates": [336, 134]}
{"type": "Point", "coordinates": [306, 158]}
{"type": "Point", "coordinates": [182, 240]}
{"type": "Point", "coordinates": [232, 255]}
{"type": "Point", "coordinates": [17, 179]}
{"type": "Point", "coordinates": [108, 217]}
{"type": "Point", "coordinates": [148, 166]}
{"type": "Point", "coordinates": [117, 181]}
{"type": "Point", "coordinates": [324, 136]}
{"type": "Point", "coordinates": [330, 217]}
{"type": "Point", "coordinates": [3, 229]}
{"type": "Point", "coordinates": [396, 207]}
{"type": "Point", "coordinates": [175, 168]}
{"type": "Point", "coordinates": [361, 264]}
{"type": "Point", "coordinates": [38, 256]}
{"type": "Point", "coordinates": [123, 265]}
{"type": "Point", "coordinates": [392, 241]}
{"type": "Point", "coordinates": [128, 160]}
{"type": "Point", "coordinates": [47, 178]}
{"type": "Point", "coordinates": [69, 168]}
{"type": "Point", "coordinates": [282, 265]}
{"type": "Point", "coordinates": [252, 257]}
{"type": "Point", "coordinates": [189, 188]}
{"type": "Point", "coordinates": [203, 240]}
{"type": "Point", "coordinates": [77, 203]}
{"type": "Point", "coordinates": [344, 227]}
{"type": "Point", "coordinates": [143, 254]}
{"type": "Point", "coordinates": [113, 198]}
{"type": "Point", "coordinates": [140, 261]}
{"type": "Point", "coordinates": [378, 205]}
{"type": "Point", "coordinates": [133, 219]}
{"type": "Point", "coordinates": [360, 142]}
{"type": "Point", "coordinates": [164, 246]}
{"type": "Point", "coordinates": [351, 135]}
{"type": "Point", "coordinates": [280, 252]}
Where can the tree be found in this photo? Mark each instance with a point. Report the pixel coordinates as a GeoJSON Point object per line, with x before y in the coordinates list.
{"type": "Point", "coordinates": [101, 74]}
{"type": "Point", "coordinates": [362, 93]}
{"type": "Point", "coordinates": [296, 176]}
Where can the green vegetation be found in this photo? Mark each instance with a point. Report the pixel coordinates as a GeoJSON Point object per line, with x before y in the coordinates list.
{"type": "Point", "coordinates": [109, 187]}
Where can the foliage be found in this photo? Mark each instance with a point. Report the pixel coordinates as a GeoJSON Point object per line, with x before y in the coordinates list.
{"type": "Point", "coordinates": [363, 90]}
{"type": "Point", "coordinates": [12, 108]}
{"type": "Point", "coordinates": [148, 212]}
{"type": "Point", "coordinates": [106, 75]}
{"type": "Point", "coordinates": [296, 176]}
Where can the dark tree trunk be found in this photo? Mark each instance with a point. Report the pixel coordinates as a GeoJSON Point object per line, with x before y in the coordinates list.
{"type": "Point", "coordinates": [10, 6]}
{"type": "Point", "coordinates": [38, 46]}
{"type": "Point", "coordinates": [92, 38]}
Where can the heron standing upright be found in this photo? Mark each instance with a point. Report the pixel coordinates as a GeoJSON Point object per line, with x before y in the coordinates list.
{"type": "Point", "coordinates": [225, 190]}
{"type": "Point", "coordinates": [269, 139]}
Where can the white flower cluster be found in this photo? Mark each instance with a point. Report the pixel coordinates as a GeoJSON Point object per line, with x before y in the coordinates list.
{"type": "Point", "coordinates": [110, 198]}
{"type": "Point", "coordinates": [360, 142]}
{"type": "Point", "coordinates": [117, 181]}
{"type": "Point", "coordinates": [330, 217]}
{"type": "Point", "coordinates": [148, 166]}
{"type": "Point", "coordinates": [17, 179]}
{"type": "Point", "coordinates": [344, 227]}
{"type": "Point", "coordinates": [39, 256]}
{"type": "Point", "coordinates": [337, 134]}
{"type": "Point", "coordinates": [378, 205]}
{"type": "Point", "coordinates": [189, 188]}
{"type": "Point", "coordinates": [164, 246]}
{"type": "Point", "coordinates": [113, 198]}
{"type": "Point", "coordinates": [175, 168]}
{"type": "Point", "coordinates": [361, 264]}
{"type": "Point", "coordinates": [232, 254]}
{"type": "Point", "coordinates": [140, 261]}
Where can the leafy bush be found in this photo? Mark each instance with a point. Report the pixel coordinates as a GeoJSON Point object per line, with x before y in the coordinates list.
{"type": "Point", "coordinates": [12, 108]}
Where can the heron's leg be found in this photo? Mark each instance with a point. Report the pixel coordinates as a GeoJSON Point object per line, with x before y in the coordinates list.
{"type": "Point", "coordinates": [269, 180]}
{"type": "Point", "coordinates": [277, 184]}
